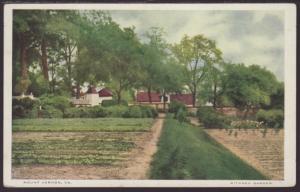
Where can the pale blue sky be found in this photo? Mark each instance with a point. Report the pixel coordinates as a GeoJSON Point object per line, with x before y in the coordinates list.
{"type": "Point", "coordinates": [251, 37]}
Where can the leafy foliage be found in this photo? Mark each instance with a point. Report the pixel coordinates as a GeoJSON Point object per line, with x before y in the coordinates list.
{"type": "Point", "coordinates": [248, 86]}
{"type": "Point", "coordinates": [175, 106]}
{"type": "Point", "coordinates": [212, 119]}
{"type": "Point", "coordinates": [198, 54]}
{"type": "Point", "coordinates": [58, 102]}
{"type": "Point", "coordinates": [108, 103]}
{"type": "Point", "coordinates": [271, 118]}
{"type": "Point", "coordinates": [49, 112]}
{"type": "Point", "coordinates": [22, 108]}
{"type": "Point", "coordinates": [82, 125]}
{"type": "Point", "coordinates": [181, 115]}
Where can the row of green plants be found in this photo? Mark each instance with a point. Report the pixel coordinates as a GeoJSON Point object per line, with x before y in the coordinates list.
{"type": "Point", "coordinates": [60, 107]}
{"type": "Point", "coordinates": [179, 110]}
{"type": "Point", "coordinates": [188, 153]}
{"type": "Point", "coordinates": [273, 118]}
{"type": "Point", "coordinates": [112, 111]}
{"type": "Point", "coordinates": [86, 151]}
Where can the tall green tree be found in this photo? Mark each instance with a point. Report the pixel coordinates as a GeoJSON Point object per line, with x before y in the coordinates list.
{"type": "Point", "coordinates": [248, 87]}
{"type": "Point", "coordinates": [171, 78]}
{"type": "Point", "coordinates": [123, 61]}
{"type": "Point", "coordinates": [23, 42]}
{"type": "Point", "coordinates": [198, 54]}
{"type": "Point", "coordinates": [64, 25]}
{"type": "Point", "coordinates": [153, 58]}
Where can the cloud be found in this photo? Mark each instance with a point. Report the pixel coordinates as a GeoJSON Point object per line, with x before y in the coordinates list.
{"type": "Point", "coordinates": [251, 37]}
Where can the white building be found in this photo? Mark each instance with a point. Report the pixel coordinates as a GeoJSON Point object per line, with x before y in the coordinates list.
{"type": "Point", "coordinates": [92, 97]}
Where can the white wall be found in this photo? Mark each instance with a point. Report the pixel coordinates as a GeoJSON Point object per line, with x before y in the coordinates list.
{"type": "Point", "coordinates": [104, 98]}
{"type": "Point", "coordinates": [93, 98]}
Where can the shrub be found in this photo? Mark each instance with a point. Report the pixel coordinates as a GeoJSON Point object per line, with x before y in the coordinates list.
{"type": "Point", "coordinates": [271, 118]}
{"type": "Point", "coordinates": [148, 111]}
{"type": "Point", "coordinates": [181, 116]}
{"type": "Point", "coordinates": [26, 103]}
{"type": "Point", "coordinates": [133, 112]}
{"type": "Point", "coordinates": [72, 113]}
{"type": "Point", "coordinates": [212, 119]}
{"type": "Point", "coordinates": [97, 111]}
{"type": "Point", "coordinates": [21, 108]}
{"type": "Point", "coordinates": [175, 106]}
{"type": "Point", "coordinates": [58, 102]}
{"type": "Point", "coordinates": [108, 103]}
{"type": "Point", "coordinates": [85, 112]}
{"type": "Point", "coordinates": [50, 112]}
{"type": "Point", "coordinates": [18, 111]}
{"type": "Point", "coordinates": [34, 113]}
{"type": "Point", "coordinates": [112, 111]}
{"type": "Point", "coordinates": [116, 111]}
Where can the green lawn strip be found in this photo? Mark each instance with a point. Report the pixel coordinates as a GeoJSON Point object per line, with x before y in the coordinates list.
{"type": "Point", "coordinates": [94, 152]}
{"type": "Point", "coordinates": [82, 124]}
{"type": "Point", "coordinates": [187, 152]}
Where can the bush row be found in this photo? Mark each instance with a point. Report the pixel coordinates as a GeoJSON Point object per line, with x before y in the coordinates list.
{"type": "Point", "coordinates": [108, 103]}
{"type": "Point", "coordinates": [212, 119]}
{"type": "Point", "coordinates": [59, 107]}
{"type": "Point", "coordinates": [52, 107]}
{"type": "Point", "coordinates": [112, 111]}
{"type": "Point", "coordinates": [180, 111]}
{"type": "Point", "coordinates": [271, 118]}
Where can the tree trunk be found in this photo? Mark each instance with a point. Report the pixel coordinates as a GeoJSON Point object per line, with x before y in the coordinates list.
{"type": "Point", "coordinates": [69, 67]}
{"type": "Point", "coordinates": [23, 57]}
{"type": "Point", "coordinates": [119, 97]}
{"type": "Point", "coordinates": [164, 106]}
{"type": "Point", "coordinates": [77, 90]}
{"type": "Point", "coordinates": [52, 78]}
{"type": "Point", "coordinates": [194, 93]}
{"type": "Point", "coordinates": [149, 94]}
{"type": "Point", "coordinates": [215, 96]}
{"type": "Point", "coordinates": [246, 112]}
{"type": "Point", "coordinates": [44, 59]}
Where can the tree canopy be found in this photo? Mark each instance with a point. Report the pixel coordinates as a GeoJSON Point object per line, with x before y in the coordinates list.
{"type": "Point", "coordinates": [55, 51]}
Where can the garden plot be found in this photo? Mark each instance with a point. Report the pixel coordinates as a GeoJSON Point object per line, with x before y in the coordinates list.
{"type": "Point", "coordinates": [263, 152]}
{"type": "Point", "coordinates": [56, 149]}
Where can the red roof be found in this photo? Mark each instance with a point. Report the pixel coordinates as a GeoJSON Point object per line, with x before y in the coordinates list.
{"type": "Point", "coordinates": [105, 93]}
{"type": "Point", "coordinates": [144, 97]}
{"type": "Point", "coordinates": [187, 99]}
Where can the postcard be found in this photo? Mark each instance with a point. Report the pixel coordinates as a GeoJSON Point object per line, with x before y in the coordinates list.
{"type": "Point", "coordinates": [149, 95]}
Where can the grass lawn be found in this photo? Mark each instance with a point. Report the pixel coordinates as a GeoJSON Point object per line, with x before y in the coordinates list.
{"type": "Point", "coordinates": [85, 144]}
{"type": "Point", "coordinates": [187, 152]}
{"type": "Point", "coordinates": [82, 124]}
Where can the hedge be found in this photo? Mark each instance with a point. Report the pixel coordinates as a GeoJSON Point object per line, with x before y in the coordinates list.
{"type": "Point", "coordinates": [212, 119]}
{"type": "Point", "coordinates": [271, 118]}
{"type": "Point", "coordinates": [108, 103]}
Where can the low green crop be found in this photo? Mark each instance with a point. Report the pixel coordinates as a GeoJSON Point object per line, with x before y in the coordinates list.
{"type": "Point", "coordinates": [187, 152]}
{"type": "Point", "coordinates": [83, 124]}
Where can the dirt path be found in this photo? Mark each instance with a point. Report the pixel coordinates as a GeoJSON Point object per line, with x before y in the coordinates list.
{"type": "Point", "coordinates": [140, 164]}
{"type": "Point", "coordinates": [194, 121]}
{"type": "Point", "coordinates": [135, 167]}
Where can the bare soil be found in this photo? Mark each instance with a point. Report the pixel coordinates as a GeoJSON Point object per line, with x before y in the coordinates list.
{"type": "Point", "coordinates": [136, 165]}
{"type": "Point", "coordinates": [263, 153]}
